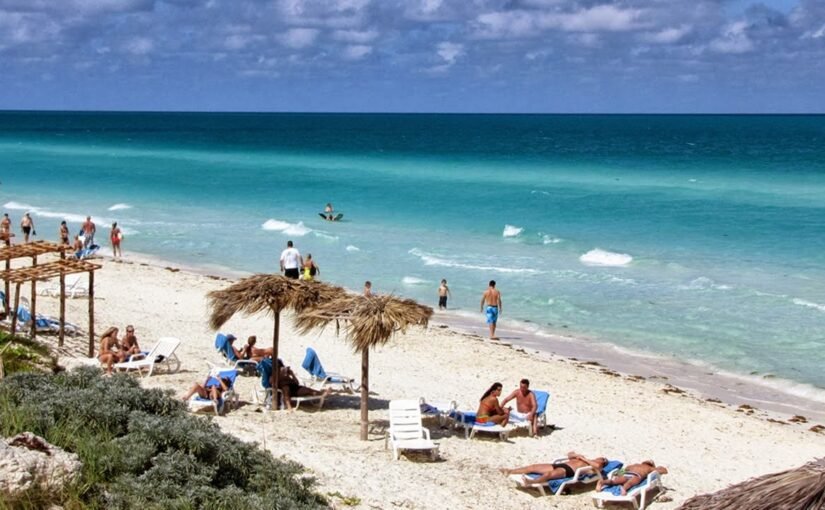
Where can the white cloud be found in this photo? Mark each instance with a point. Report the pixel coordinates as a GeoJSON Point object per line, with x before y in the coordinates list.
{"type": "Point", "coordinates": [240, 41]}
{"type": "Point", "coordinates": [815, 35]}
{"type": "Point", "coordinates": [139, 46]}
{"type": "Point", "coordinates": [512, 24]}
{"type": "Point", "coordinates": [355, 36]}
{"type": "Point", "coordinates": [356, 51]}
{"type": "Point", "coordinates": [595, 19]}
{"type": "Point", "coordinates": [450, 51]}
{"type": "Point", "coordinates": [298, 38]}
{"type": "Point", "coordinates": [668, 35]}
{"type": "Point", "coordinates": [734, 39]}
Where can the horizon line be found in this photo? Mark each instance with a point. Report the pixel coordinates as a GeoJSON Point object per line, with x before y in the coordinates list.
{"type": "Point", "coordinates": [297, 112]}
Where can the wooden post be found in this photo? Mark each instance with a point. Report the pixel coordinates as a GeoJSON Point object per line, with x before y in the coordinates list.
{"type": "Point", "coordinates": [365, 393]}
{"type": "Point", "coordinates": [62, 306]}
{"type": "Point", "coordinates": [8, 285]}
{"type": "Point", "coordinates": [91, 314]}
{"type": "Point", "coordinates": [16, 306]}
{"type": "Point", "coordinates": [34, 301]}
{"type": "Point", "coordinates": [275, 333]}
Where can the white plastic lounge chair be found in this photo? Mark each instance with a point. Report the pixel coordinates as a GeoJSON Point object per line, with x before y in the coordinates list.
{"type": "Point", "coordinates": [74, 287]}
{"type": "Point", "coordinates": [639, 495]}
{"type": "Point", "coordinates": [467, 419]}
{"type": "Point", "coordinates": [582, 476]}
{"type": "Point", "coordinates": [265, 371]}
{"type": "Point", "coordinates": [161, 355]}
{"type": "Point", "coordinates": [228, 399]}
{"type": "Point", "coordinates": [406, 431]}
{"type": "Point", "coordinates": [333, 380]}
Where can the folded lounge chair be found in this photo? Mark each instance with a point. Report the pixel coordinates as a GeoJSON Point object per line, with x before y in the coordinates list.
{"type": "Point", "coordinates": [41, 324]}
{"type": "Point", "coordinates": [334, 380]}
{"type": "Point", "coordinates": [74, 288]}
{"type": "Point", "coordinates": [265, 371]}
{"type": "Point", "coordinates": [227, 399]}
{"type": "Point", "coordinates": [444, 411]}
{"type": "Point", "coordinates": [224, 348]}
{"type": "Point", "coordinates": [161, 355]}
{"type": "Point", "coordinates": [582, 476]}
{"type": "Point", "coordinates": [638, 495]}
{"type": "Point", "coordinates": [406, 431]}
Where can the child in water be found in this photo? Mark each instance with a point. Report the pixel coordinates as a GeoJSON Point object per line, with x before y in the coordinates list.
{"type": "Point", "coordinates": [443, 292]}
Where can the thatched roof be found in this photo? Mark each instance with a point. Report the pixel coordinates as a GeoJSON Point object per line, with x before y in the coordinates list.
{"type": "Point", "coordinates": [267, 293]}
{"type": "Point", "coordinates": [802, 488]}
{"type": "Point", "coordinates": [370, 321]}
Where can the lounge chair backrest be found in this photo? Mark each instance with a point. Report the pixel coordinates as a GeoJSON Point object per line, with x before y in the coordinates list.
{"type": "Point", "coordinates": [229, 373]}
{"type": "Point", "coordinates": [224, 347]}
{"type": "Point", "coordinates": [541, 401]}
{"type": "Point", "coordinates": [265, 369]}
{"type": "Point", "coordinates": [405, 419]}
{"type": "Point", "coordinates": [166, 347]}
{"type": "Point", "coordinates": [312, 364]}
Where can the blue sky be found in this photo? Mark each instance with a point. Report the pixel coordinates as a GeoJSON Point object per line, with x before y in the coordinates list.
{"type": "Point", "coordinates": [414, 55]}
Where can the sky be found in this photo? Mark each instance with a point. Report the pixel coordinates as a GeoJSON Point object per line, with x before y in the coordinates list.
{"type": "Point", "coordinates": [485, 56]}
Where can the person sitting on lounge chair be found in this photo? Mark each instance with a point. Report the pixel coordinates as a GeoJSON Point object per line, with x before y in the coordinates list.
{"type": "Point", "coordinates": [526, 405]}
{"type": "Point", "coordinates": [129, 344]}
{"type": "Point", "coordinates": [489, 410]}
{"type": "Point", "coordinates": [634, 474]}
{"type": "Point", "coordinates": [291, 386]}
{"type": "Point", "coordinates": [212, 388]}
{"type": "Point", "coordinates": [249, 350]}
{"type": "Point", "coordinates": [110, 351]}
{"type": "Point", "coordinates": [558, 470]}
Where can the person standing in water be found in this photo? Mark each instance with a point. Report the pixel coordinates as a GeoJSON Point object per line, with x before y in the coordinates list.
{"type": "Point", "coordinates": [115, 236]}
{"type": "Point", "coordinates": [5, 226]}
{"type": "Point", "coordinates": [328, 210]}
{"type": "Point", "coordinates": [291, 261]}
{"type": "Point", "coordinates": [89, 230]}
{"type": "Point", "coordinates": [27, 226]}
{"type": "Point", "coordinates": [63, 232]}
{"type": "Point", "coordinates": [310, 268]}
{"type": "Point", "coordinates": [368, 288]}
{"type": "Point", "coordinates": [491, 306]}
{"type": "Point", "coordinates": [443, 292]}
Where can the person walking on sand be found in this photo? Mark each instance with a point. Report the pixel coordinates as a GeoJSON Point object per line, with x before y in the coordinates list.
{"type": "Point", "coordinates": [526, 405]}
{"type": "Point", "coordinates": [5, 226]}
{"type": "Point", "coordinates": [491, 306]}
{"type": "Point", "coordinates": [89, 230]}
{"type": "Point", "coordinates": [115, 237]}
{"type": "Point", "coordinates": [368, 288]}
{"type": "Point", "coordinates": [291, 261]}
{"type": "Point", "coordinates": [27, 226]}
{"type": "Point", "coordinates": [63, 233]}
{"type": "Point", "coordinates": [443, 292]}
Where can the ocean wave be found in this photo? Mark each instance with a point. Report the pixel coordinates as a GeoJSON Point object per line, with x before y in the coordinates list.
{"type": "Point", "coordinates": [120, 207]}
{"type": "Point", "coordinates": [292, 229]}
{"type": "Point", "coordinates": [539, 192]}
{"type": "Point", "coordinates": [599, 257]}
{"type": "Point", "coordinates": [353, 249]}
{"type": "Point", "coordinates": [412, 280]}
{"type": "Point", "coordinates": [548, 239]}
{"type": "Point", "coordinates": [512, 231]}
{"type": "Point", "coordinates": [704, 283]}
{"type": "Point", "coordinates": [46, 213]}
{"type": "Point", "coordinates": [323, 235]}
{"type": "Point", "coordinates": [433, 260]}
{"type": "Point", "coordinates": [809, 304]}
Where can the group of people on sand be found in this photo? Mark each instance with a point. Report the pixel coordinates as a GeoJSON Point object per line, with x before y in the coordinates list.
{"type": "Point", "coordinates": [114, 350]}
{"type": "Point", "coordinates": [491, 411]}
{"type": "Point", "coordinates": [294, 266]}
{"type": "Point", "coordinates": [85, 239]}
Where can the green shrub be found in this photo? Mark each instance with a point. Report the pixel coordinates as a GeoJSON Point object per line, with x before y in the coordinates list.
{"type": "Point", "coordinates": [25, 355]}
{"type": "Point", "coordinates": [141, 449]}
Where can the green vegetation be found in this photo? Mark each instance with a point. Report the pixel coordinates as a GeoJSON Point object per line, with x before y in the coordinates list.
{"type": "Point", "coordinates": [24, 355]}
{"type": "Point", "coordinates": [141, 449]}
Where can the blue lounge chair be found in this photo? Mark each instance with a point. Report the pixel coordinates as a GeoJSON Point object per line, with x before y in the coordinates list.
{"type": "Point", "coordinates": [582, 476]}
{"type": "Point", "coordinates": [334, 380]}
{"type": "Point", "coordinates": [224, 348]}
{"type": "Point", "coordinates": [265, 371]}
{"type": "Point", "coordinates": [229, 397]}
{"type": "Point", "coordinates": [638, 495]}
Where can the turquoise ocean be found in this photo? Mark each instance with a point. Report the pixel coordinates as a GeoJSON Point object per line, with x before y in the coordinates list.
{"type": "Point", "coordinates": [695, 238]}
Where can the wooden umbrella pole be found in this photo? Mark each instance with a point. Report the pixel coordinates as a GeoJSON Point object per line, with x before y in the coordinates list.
{"type": "Point", "coordinates": [8, 285]}
{"type": "Point", "coordinates": [365, 393]}
{"type": "Point", "coordinates": [275, 370]}
{"type": "Point", "coordinates": [91, 314]}
{"type": "Point", "coordinates": [62, 307]}
{"type": "Point", "coordinates": [34, 302]}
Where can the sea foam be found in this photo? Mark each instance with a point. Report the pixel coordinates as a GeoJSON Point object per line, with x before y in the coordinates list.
{"type": "Point", "coordinates": [120, 207]}
{"type": "Point", "coordinates": [353, 249]}
{"type": "Point", "coordinates": [511, 231]}
{"type": "Point", "coordinates": [809, 304]}
{"type": "Point", "coordinates": [434, 260]}
{"type": "Point", "coordinates": [412, 280]}
{"type": "Point", "coordinates": [599, 257]}
{"type": "Point", "coordinates": [46, 213]}
{"type": "Point", "coordinates": [292, 229]}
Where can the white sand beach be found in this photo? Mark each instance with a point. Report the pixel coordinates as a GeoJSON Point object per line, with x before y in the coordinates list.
{"type": "Point", "coordinates": [705, 445]}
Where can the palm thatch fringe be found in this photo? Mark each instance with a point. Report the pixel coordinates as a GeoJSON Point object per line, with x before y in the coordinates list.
{"type": "Point", "coordinates": [802, 488]}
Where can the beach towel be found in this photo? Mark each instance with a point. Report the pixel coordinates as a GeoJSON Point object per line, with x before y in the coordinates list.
{"type": "Point", "coordinates": [265, 369]}
{"type": "Point", "coordinates": [222, 344]}
{"type": "Point", "coordinates": [313, 365]}
{"type": "Point", "coordinates": [25, 316]}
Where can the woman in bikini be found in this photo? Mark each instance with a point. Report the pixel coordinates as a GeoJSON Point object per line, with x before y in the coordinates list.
{"type": "Point", "coordinates": [489, 410]}
{"type": "Point", "coordinates": [212, 388]}
{"type": "Point", "coordinates": [108, 354]}
{"type": "Point", "coordinates": [310, 268]}
{"type": "Point", "coordinates": [556, 470]}
{"type": "Point", "coordinates": [291, 387]}
{"type": "Point", "coordinates": [634, 474]}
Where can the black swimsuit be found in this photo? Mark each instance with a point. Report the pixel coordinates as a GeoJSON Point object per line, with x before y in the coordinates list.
{"type": "Point", "coordinates": [568, 471]}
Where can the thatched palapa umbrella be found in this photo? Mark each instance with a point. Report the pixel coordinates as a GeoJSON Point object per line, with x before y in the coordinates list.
{"type": "Point", "coordinates": [370, 321]}
{"type": "Point", "coordinates": [270, 294]}
{"type": "Point", "coordinates": [802, 488]}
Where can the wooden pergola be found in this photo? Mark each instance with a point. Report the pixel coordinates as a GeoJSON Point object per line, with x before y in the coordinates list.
{"type": "Point", "coordinates": [59, 268]}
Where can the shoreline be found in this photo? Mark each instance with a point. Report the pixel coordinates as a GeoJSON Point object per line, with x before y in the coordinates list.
{"type": "Point", "coordinates": [703, 382]}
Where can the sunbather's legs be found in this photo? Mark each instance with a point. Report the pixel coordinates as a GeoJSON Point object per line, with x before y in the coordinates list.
{"type": "Point", "coordinates": [553, 474]}
{"type": "Point", "coordinates": [500, 419]}
{"type": "Point", "coordinates": [618, 480]}
{"type": "Point", "coordinates": [303, 391]}
{"type": "Point", "coordinates": [197, 388]}
{"type": "Point", "coordinates": [107, 359]}
{"type": "Point", "coordinates": [532, 468]}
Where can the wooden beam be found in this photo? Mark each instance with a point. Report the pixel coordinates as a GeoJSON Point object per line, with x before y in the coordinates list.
{"type": "Point", "coordinates": [33, 301]}
{"type": "Point", "coordinates": [91, 314]}
{"type": "Point", "coordinates": [16, 306]}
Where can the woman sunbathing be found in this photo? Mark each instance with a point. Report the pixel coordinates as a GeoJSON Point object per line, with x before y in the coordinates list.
{"type": "Point", "coordinates": [212, 388]}
{"type": "Point", "coordinates": [489, 410]}
{"type": "Point", "coordinates": [556, 470]}
{"type": "Point", "coordinates": [291, 387]}
{"type": "Point", "coordinates": [249, 350]}
{"type": "Point", "coordinates": [110, 352]}
{"type": "Point", "coordinates": [634, 474]}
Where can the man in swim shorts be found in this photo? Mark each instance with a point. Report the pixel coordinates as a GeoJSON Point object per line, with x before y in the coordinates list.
{"type": "Point", "coordinates": [526, 405]}
{"type": "Point", "coordinates": [557, 470]}
{"type": "Point", "coordinates": [634, 474]}
{"type": "Point", "coordinates": [291, 261]}
{"type": "Point", "coordinates": [491, 306]}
